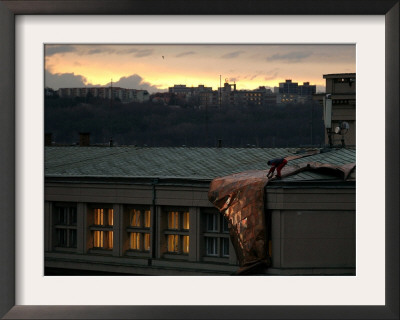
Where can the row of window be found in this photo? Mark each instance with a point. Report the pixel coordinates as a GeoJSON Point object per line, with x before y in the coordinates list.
{"type": "Point", "coordinates": [100, 222]}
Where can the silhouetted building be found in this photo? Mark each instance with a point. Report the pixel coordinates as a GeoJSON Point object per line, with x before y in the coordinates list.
{"type": "Point", "coordinates": [122, 94]}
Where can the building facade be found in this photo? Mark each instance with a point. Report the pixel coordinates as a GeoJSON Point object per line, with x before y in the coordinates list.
{"type": "Point", "coordinates": [341, 88]}
{"type": "Point", "coordinates": [122, 94]}
{"type": "Point", "coordinates": [146, 212]}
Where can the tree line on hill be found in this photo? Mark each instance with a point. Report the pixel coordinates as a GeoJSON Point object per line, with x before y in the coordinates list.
{"type": "Point", "coordinates": [155, 125]}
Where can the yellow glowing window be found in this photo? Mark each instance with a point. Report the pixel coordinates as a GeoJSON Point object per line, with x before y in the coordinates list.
{"type": "Point", "coordinates": [173, 240]}
{"type": "Point", "coordinates": [98, 239]}
{"type": "Point", "coordinates": [135, 241]}
{"type": "Point", "coordinates": [173, 219]}
{"type": "Point", "coordinates": [146, 242]}
{"type": "Point", "coordinates": [110, 217]}
{"type": "Point", "coordinates": [185, 245]}
{"type": "Point", "coordinates": [185, 224]}
{"type": "Point", "coordinates": [147, 219]}
{"type": "Point", "coordinates": [98, 217]}
{"type": "Point", "coordinates": [135, 218]}
{"type": "Point", "coordinates": [110, 239]}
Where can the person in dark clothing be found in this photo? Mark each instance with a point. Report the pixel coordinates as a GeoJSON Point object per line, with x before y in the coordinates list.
{"type": "Point", "coordinates": [277, 164]}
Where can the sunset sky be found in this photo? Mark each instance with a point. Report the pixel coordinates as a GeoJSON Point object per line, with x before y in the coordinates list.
{"type": "Point", "coordinates": [157, 67]}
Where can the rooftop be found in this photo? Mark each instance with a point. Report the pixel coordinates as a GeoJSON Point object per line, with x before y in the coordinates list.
{"type": "Point", "coordinates": [178, 163]}
{"type": "Point", "coordinates": [339, 75]}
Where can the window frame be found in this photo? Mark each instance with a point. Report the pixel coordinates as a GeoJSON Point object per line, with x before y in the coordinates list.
{"type": "Point", "coordinates": [181, 232]}
{"type": "Point", "coordinates": [142, 230]}
{"type": "Point", "coordinates": [106, 229]}
{"type": "Point", "coordinates": [66, 226]}
{"type": "Point", "coordinates": [219, 235]}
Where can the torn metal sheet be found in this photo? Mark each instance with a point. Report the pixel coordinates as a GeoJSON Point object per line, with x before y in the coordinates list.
{"type": "Point", "coordinates": [241, 198]}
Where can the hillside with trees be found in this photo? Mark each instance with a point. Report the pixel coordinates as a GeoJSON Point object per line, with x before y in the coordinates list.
{"type": "Point", "coordinates": [156, 125]}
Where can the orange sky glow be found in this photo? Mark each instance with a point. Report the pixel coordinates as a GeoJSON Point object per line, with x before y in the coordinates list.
{"type": "Point", "coordinates": [157, 67]}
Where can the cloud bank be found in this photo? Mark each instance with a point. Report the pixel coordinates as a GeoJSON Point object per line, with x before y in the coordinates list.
{"type": "Point", "coordinates": [70, 80]}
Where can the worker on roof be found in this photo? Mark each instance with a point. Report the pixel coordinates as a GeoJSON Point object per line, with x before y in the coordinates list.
{"type": "Point", "coordinates": [277, 164]}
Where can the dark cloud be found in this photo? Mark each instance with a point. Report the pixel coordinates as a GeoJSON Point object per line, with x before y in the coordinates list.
{"type": "Point", "coordinates": [63, 80]}
{"type": "Point", "coordinates": [290, 57]}
{"type": "Point", "coordinates": [70, 80]}
{"type": "Point", "coordinates": [143, 53]}
{"type": "Point", "coordinates": [231, 55]}
{"type": "Point", "coordinates": [52, 50]}
{"type": "Point", "coordinates": [135, 82]}
{"type": "Point", "coordinates": [188, 53]}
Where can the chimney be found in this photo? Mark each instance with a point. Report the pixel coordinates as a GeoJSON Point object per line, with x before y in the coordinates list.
{"type": "Point", "coordinates": [47, 139]}
{"type": "Point", "coordinates": [84, 139]}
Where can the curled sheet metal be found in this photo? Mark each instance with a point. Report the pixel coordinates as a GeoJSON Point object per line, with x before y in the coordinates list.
{"type": "Point", "coordinates": [241, 198]}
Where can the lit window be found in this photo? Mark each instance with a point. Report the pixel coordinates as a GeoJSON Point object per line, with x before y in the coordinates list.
{"type": "Point", "coordinates": [103, 239]}
{"type": "Point", "coordinates": [185, 246]}
{"type": "Point", "coordinates": [135, 218]}
{"type": "Point", "coordinates": [65, 220]}
{"type": "Point", "coordinates": [135, 240]}
{"type": "Point", "coordinates": [101, 229]}
{"type": "Point", "coordinates": [173, 220]}
{"type": "Point", "coordinates": [138, 229]}
{"type": "Point", "coordinates": [103, 217]}
{"type": "Point", "coordinates": [185, 220]}
{"type": "Point", "coordinates": [177, 233]}
{"type": "Point", "coordinates": [173, 241]}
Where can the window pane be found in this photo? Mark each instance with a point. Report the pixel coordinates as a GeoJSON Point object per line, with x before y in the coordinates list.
{"type": "Point", "coordinates": [135, 240]}
{"type": "Point", "coordinates": [98, 217]}
{"type": "Point", "coordinates": [62, 216]}
{"type": "Point", "coordinates": [185, 245]}
{"type": "Point", "coordinates": [72, 238]}
{"type": "Point", "coordinates": [146, 242]}
{"type": "Point", "coordinates": [225, 247]}
{"type": "Point", "coordinates": [212, 222]}
{"type": "Point", "coordinates": [135, 218]}
{"type": "Point", "coordinates": [185, 220]}
{"type": "Point", "coordinates": [211, 246]}
{"type": "Point", "coordinates": [225, 227]}
{"type": "Point", "coordinates": [73, 216]}
{"type": "Point", "coordinates": [110, 217]}
{"type": "Point", "coordinates": [173, 243]}
{"type": "Point", "coordinates": [98, 239]}
{"type": "Point", "coordinates": [61, 237]}
{"type": "Point", "coordinates": [173, 220]}
{"type": "Point", "coordinates": [110, 241]}
{"type": "Point", "coordinates": [147, 219]}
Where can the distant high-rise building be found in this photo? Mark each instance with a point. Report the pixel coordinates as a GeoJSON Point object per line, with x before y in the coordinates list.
{"type": "Point", "coordinates": [288, 87]}
{"type": "Point", "coordinates": [307, 90]}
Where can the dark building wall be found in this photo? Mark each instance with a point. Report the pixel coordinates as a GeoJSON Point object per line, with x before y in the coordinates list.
{"type": "Point", "coordinates": [312, 229]}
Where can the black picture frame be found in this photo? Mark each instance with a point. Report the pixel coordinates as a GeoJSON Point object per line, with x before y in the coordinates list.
{"type": "Point", "coordinates": [8, 10]}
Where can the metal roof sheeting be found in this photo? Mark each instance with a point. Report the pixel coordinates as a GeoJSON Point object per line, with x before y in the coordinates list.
{"type": "Point", "coordinates": [185, 162]}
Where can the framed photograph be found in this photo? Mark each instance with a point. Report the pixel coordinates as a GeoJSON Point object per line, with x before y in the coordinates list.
{"type": "Point", "coordinates": [48, 32]}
